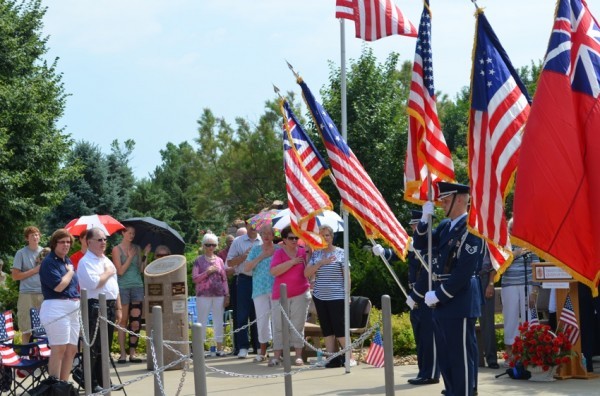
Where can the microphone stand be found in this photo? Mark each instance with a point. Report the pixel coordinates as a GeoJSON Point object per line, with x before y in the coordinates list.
{"type": "Point", "coordinates": [525, 258]}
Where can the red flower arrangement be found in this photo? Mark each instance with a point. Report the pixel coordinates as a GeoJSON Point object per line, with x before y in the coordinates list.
{"type": "Point", "coordinates": [537, 346]}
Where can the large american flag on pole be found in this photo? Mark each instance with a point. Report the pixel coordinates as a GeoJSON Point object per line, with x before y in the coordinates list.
{"type": "Point", "coordinates": [499, 110]}
{"type": "Point", "coordinates": [427, 155]}
{"type": "Point", "coordinates": [375, 19]}
{"type": "Point", "coordinates": [305, 197]}
{"type": "Point", "coordinates": [359, 195]}
{"type": "Point", "coordinates": [568, 320]}
{"type": "Point", "coordinates": [312, 161]}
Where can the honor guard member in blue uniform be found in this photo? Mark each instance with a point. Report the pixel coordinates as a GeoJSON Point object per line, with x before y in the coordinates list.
{"type": "Point", "coordinates": [420, 314]}
{"type": "Point", "coordinates": [456, 295]}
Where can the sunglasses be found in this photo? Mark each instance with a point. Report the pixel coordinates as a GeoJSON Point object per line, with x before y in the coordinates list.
{"type": "Point", "coordinates": [210, 245]}
{"type": "Point", "coordinates": [292, 238]}
{"type": "Point", "coordinates": [160, 255]}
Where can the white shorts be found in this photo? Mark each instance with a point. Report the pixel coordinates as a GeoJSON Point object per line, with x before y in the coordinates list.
{"type": "Point", "coordinates": [60, 318]}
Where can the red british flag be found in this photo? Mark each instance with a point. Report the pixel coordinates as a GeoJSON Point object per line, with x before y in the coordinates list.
{"type": "Point", "coordinates": [558, 183]}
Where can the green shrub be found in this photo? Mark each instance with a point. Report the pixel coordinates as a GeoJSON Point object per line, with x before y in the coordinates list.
{"type": "Point", "coordinates": [403, 338]}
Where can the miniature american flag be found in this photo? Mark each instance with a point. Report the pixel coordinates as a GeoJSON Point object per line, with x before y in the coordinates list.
{"type": "Point", "coordinates": [375, 357]}
{"type": "Point", "coordinates": [568, 319]}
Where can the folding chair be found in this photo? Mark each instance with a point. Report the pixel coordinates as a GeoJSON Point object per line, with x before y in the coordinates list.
{"type": "Point", "coordinates": [360, 311]}
{"type": "Point", "coordinates": [20, 362]}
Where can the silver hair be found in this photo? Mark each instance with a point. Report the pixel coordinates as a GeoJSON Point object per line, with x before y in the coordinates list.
{"type": "Point", "coordinates": [208, 238]}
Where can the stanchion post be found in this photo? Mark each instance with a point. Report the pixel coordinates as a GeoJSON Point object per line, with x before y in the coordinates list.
{"type": "Point", "coordinates": [198, 357]}
{"type": "Point", "coordinates": [157, 340]}
{"type": "Point", "coordinates": [388, 344]}
{"type": "Point", "coordinates": [85, 318]}
{"type": "Point", "coordinates": [285, 338]}
{"type": "Point", "coordinates": [104, 347]}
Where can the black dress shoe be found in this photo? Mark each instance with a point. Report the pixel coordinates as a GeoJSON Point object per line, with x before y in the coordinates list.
{"type": "Point", "coordinates": [97, 389]}
{"type": "Point", "coordinates": [410, 381]}
{"type": "Point", "coordinates": [494, 366]}
{"type": "Point", "coordinates": [424, 381]}
{"type": "Point", "coordinates": [474, 391]}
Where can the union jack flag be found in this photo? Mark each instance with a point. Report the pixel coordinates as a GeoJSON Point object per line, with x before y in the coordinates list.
{"type": "Point", "coordinates": [305, 148]}
{"type": "Point", "coordinates": [375, 356]}
{"type": "Point", "coordinates": [305, 197]}
{"type": "Point", "coordinates": [358, 192]}
{"type": "Point", "coordinates": [558, 165]}
{"type": "Point", "coordinates": [499, 110]}
{"type": "Point", "coordinates": [375, 19]}
{"type": "Point", "coordinates": [568, 319]}
{"type": "Point", "coordinates": [427, 155]}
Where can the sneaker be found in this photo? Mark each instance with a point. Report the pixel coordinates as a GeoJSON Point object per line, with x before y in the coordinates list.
{"type": "Point", "coordinates": [259, 358]}
{"type": "Point", "coordinates": [221, 353]}
{"type": "Point", "coordinates": [274, 362]}
{"type": "Point", "coordinates": [353, 363]}
{"type": "Point", "coordinates": [243, 354]}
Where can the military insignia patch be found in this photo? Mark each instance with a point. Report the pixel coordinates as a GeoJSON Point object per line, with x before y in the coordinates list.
{"type": "Point", "coordinates": [470, 249]}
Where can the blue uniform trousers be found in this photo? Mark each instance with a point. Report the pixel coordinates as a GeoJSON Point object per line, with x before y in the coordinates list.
{"type": "Point", "coordinates": [422, 324]}
{"type": "Point", "coordinates": [457, 351]}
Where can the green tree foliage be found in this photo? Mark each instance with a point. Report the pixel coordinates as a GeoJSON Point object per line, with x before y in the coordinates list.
{"type": "Point", "coordinates": [103, 186]}
{"type": "Point", "coordinates": [32, 146]}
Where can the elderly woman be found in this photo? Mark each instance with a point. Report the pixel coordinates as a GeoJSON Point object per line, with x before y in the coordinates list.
{"type": "Point", "coordinates": [259, 262]}
{"type": "Point", "coordinates": [327, 265]}
{"type": "Point", "coordinates": [287, 266]}
{"type": "Point", "coordinates": [59, 311]}
{"type": "Point", "coordinates": [212, 291]}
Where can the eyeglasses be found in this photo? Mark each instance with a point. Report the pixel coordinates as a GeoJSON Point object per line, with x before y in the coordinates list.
{"type": "Point", "coordinates": [210, 245]}
{"type": "Point", "coordinates": [64, 242]}
{"type": "Point", "coordinates": [100, 240]}
{"type": "Point", "coordinates": [292, 238]}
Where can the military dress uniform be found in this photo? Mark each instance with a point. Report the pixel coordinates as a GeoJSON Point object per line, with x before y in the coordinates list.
{"type": "Point", "coordinates": [456, 286]}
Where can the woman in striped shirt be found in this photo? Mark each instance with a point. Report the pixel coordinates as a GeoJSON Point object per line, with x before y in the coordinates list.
{"type": "Point", "coordinates": [327, 265]}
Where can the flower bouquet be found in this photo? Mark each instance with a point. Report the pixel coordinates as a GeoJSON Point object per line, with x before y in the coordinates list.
{"type": "Point", "coordinates": [539, 349]}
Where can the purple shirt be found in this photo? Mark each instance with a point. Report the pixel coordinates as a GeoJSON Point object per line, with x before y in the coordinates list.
{"type": "Point", "coordinates": [213, 285]}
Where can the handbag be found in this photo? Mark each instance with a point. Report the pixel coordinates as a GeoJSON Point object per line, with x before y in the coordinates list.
{"type": "Point", "coordinates": [52, 386]}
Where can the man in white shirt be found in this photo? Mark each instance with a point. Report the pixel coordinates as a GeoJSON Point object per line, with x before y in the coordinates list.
{"type": "Point", "coordinates": [97, 274]}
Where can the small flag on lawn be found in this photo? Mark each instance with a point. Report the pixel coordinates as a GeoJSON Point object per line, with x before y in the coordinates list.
{"type": "Point", "coordinates": [375, 357]}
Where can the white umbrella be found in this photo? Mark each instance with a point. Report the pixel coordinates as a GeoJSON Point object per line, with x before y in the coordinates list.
{"type": "Point", "coordinates": [327, 217]}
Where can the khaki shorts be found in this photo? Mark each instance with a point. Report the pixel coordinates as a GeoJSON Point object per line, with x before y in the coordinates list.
{"type": "Point", "coordinates": [24, 303]}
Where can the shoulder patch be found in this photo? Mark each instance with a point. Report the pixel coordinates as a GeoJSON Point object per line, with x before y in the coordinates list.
{"type": "Point", "coordinates": [471, 249]}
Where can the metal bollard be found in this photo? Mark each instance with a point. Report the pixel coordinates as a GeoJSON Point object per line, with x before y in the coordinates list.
{"type": "Point", "coordinates": [157, 340]}
{"type": "Point", "coordinates": [285, 337]}
{"type": "Point", "coordinates": [198, 357]}
{"type": "Point", "coordinates": [85, 318]}
{"type": "Point", "coordinates": [104, 347]}
{"type": "Point", "coordinates": [388, 344]}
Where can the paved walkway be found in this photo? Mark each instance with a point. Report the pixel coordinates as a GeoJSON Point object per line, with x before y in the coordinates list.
{"type": "Point", "coordinates": [362, 380]}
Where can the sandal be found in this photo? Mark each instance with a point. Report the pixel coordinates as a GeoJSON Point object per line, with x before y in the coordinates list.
{"type": "Point", "coordinates": [299, 362]}
{"type": "Point", "coordinates": [274, 362]}
{"type": "Point", "coordinates": [122, 361]}
{"type": "Point", "coordinates": [133, 359]}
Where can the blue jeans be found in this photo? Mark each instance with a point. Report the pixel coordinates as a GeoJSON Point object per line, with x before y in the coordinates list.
{"type": "Point", "coordinates": [245, 312]}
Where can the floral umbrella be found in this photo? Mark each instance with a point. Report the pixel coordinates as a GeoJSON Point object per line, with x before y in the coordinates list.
{"type": "Point", "coordinates": [106, 223]}
{"type": "Point", "coordinates": [263, 218]}
{"type": "Point", "coordinates": [327, 217]}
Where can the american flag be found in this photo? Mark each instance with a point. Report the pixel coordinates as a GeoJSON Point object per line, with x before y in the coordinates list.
{"type": "Point", "coordinates": [499, 110]}
{"type": "Point", "coordinates": [359, 195]}
{"type": "Point", "coordinates": [305, 148]}
{"type": "Point", "coordinates": [426, 151]}
{"type": "Point", "coordinates": [534, 319]}
{"type": "Point", "coordinates": [375, 356]}
{"type": "Point", "coordinates": [305, 197]}
{"type": "Point", "coordinates": [568, 319]}
{"type": "Point", "coordinates": [375, 19]}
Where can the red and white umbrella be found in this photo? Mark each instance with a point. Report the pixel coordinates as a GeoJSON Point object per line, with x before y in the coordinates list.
{"type": "Point", "coordinates": [106, 223]}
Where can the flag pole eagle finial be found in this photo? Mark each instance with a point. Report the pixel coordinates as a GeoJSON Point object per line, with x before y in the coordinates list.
{"type": "Point", "coordinates": [292, 69]}
{"type": "Point", "coordinates": [277, 91]}
{"type": "Point", "coordinates": [475, 4]}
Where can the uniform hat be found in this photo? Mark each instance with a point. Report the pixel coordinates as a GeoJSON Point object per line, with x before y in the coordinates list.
{"type": "Point", "coordinates": [446, 189]}
{"type": "Point", "coordinates": [415, 216]}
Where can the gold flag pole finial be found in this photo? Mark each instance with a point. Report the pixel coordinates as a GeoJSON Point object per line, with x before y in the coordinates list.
{"type": "Point", "coordinates": [292, 69]}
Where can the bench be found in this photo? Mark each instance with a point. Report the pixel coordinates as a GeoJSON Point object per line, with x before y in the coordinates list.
{"type": "Point", "coordinates": [543, 314]}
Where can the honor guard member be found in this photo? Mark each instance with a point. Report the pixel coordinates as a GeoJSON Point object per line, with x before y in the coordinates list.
{"type": "Point", "coordinates": [456, 295]}
{"type": "Point", "coordinates": [420, 314]}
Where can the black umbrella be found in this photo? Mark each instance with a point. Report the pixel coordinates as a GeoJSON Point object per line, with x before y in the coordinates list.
{"type": "Point", "coordinates": [148, 230]}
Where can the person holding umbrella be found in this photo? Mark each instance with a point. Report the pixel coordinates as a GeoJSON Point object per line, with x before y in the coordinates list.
{"type": "Point", "coordinates": [130, 263]}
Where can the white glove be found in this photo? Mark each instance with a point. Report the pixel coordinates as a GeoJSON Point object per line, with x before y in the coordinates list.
{"type": "Point", "coordinates": [410, 302]}
{"type": "Point", "coordinates": [411, 248]}
{"type": "Point", "coordinates": [428, 209]}
{"type": "Point", "coordinates": [431, 299]}
{"type": "Point", "coordinates": [378, 250]}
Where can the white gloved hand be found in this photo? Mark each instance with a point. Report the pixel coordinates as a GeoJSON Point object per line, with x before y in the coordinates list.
{"type": "Point", "coordinates": [411, 248]}
{"type": "Point", "coordinates": [378, 250]}
{"type": "Point", "coordinates": [431, 299]}
{"type": "Point", "coordinates": [428, 209]}
{"type": "Point", "coordinates": [410, 302]}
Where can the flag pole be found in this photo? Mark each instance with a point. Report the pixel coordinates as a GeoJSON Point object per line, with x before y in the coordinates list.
{"type": "Point", "coordinates": [345, 213]}
{"type": "Point", "coordinates": [429, 232]}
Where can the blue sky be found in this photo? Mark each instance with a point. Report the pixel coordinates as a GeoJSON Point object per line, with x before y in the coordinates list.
{"type": "Point", "coordinates": [145, 69]}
